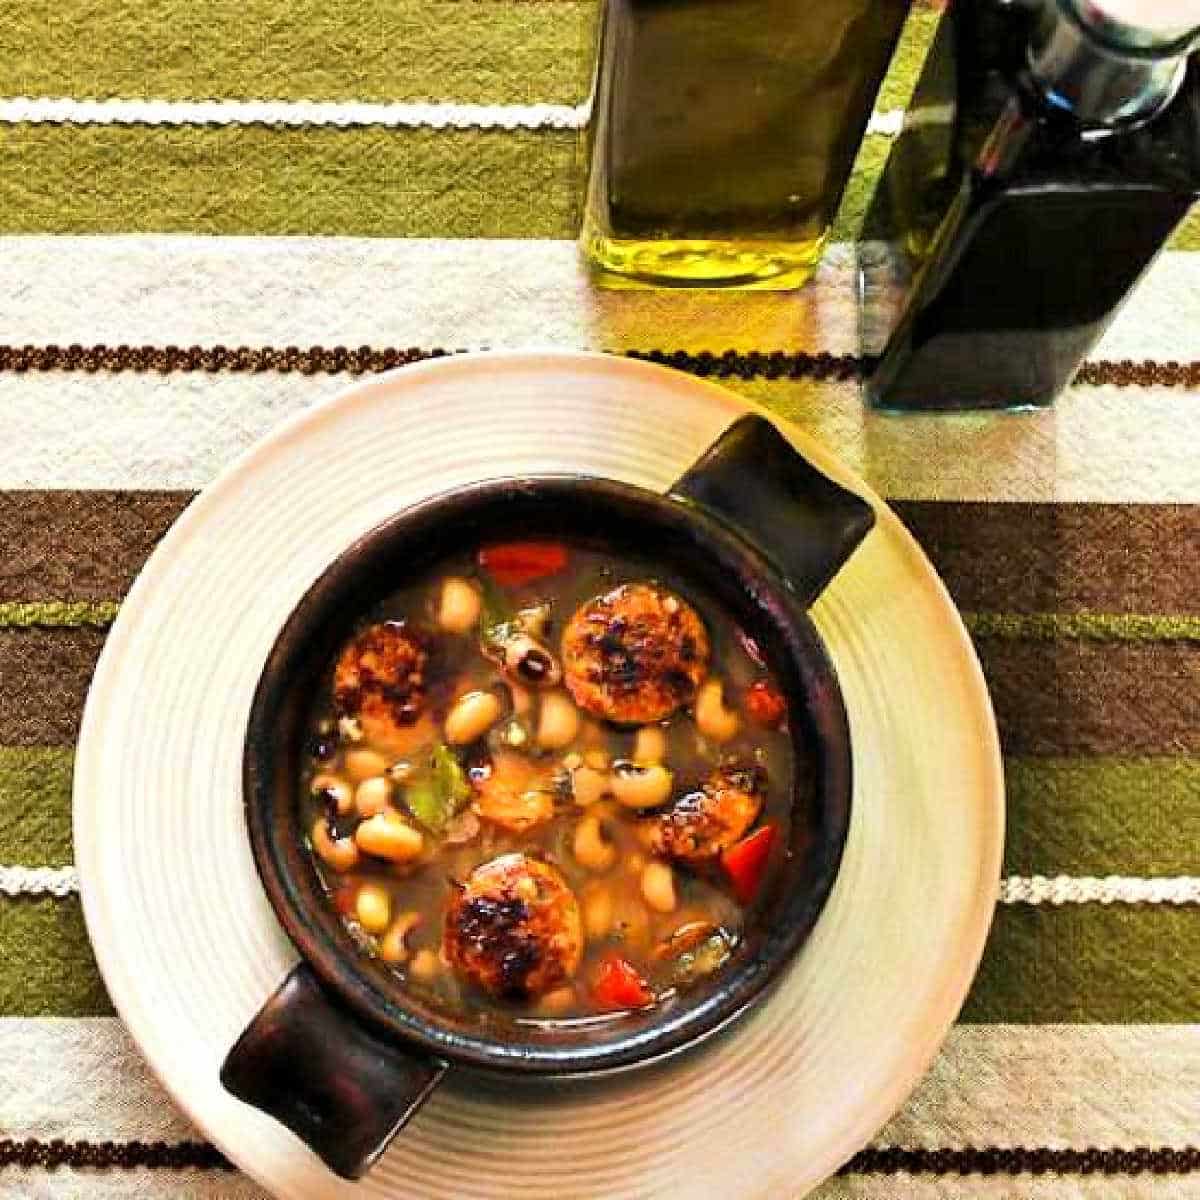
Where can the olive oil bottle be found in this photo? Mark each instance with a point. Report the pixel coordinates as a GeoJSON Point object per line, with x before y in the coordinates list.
{"type": "Point", "coordinates": [722, 134]}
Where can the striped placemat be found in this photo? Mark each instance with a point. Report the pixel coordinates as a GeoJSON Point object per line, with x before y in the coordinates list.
{"type": "Point", "coordinates": [136, 364]}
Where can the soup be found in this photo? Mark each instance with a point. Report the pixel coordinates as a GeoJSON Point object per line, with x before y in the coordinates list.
{"type": "Point", "coordinates": [548, 781]}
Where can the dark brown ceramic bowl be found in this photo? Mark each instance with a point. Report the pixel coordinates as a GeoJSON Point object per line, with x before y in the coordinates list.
{"type": "Point", "coordinates": [342, 1054]}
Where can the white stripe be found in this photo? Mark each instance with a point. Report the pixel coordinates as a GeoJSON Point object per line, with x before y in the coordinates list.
{"type": "Point", "coordinates": [1067, 1087]}
{"type": "Point", "coordinates": [65, 1184]}
{"type": "Point", "coordinates": [1113, 889]}
{"type": "Point", "coordinates": [34, 881]}
{"type": "Point", "coordinates": [1096, 444]}
{"type": "Point", "coordinates": [64, 110]}
{"type": "Point", "coordinates": [1010, 1187]}
{"type": "Point", "coordinates": [339, 114]}
{"type": "Point", "coordinates": [459, 292]}
{"type": "Point", "coordinates": [1016, 889]}
{"type": "Point", "coordinates": [178, 431]}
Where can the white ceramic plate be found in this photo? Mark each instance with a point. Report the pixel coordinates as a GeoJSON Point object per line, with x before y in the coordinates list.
{"type": "Point", "coordinates": [190, 949]}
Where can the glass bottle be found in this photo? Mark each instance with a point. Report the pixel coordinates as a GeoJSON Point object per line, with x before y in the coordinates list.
{"type": "Point", "coordinates": [722, 135]}
{"type": "Point", "coordinates": [1048, 154]}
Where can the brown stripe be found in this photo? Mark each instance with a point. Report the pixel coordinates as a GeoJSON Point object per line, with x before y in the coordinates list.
{"type": "Point", "coordinates": [83, 545]}
{"type": "Point", "coordinates": [883, 1160]}
{"type": "Point", "coordinates": [123, 1156]}
{"type": "Point", "coordinates": [336, 360]}
{"type": "Point", "coordinates": [89, 545]}
{"type": "Point", "coordinates": [44, 677]}
{"type": "Point", "coordinates": [1080, 698]}
{"type": "Point", "coordinates": [1051, 698]}
{"type": "Point", "coordinates": [1023, 1160]}
{"type": "Point", "coordinates": [1016, 557]}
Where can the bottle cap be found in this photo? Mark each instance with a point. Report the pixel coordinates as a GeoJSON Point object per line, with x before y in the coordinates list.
{"type": "Point", "coordinates": [1147, 22]}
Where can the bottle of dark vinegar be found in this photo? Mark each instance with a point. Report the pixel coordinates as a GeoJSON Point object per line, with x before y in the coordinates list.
{"type": "Point", "coordinates": [723, 132]}
{"type": "Point", "coordinates": [1050, 150]}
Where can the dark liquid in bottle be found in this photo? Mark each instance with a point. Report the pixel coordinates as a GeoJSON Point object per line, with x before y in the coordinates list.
{"type": "Point", "coordinates": [1024, 235]}
{"type": "Point", "coordinates": [723, 133]}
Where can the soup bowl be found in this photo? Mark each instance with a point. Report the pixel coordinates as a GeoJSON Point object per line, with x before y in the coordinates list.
{"type": "Point", "coordinates": [342, 1054]}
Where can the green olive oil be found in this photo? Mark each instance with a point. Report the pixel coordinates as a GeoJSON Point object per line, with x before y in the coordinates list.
{"type": "Point", "coordinates": [722, 134]}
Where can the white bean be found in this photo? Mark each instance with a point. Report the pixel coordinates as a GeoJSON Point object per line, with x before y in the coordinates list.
{"type": "Point", "coordinates": [658, 887]}
{"type": "Point", "coordinates": [373, 907]}
{"type": "Point", "coordinates": [597, 912]}
{"type": "Point", "coordinates": [458, 606]}
{"type": "Point", "coordinates": [336, 789]}
{"type": "Point", "coordinates": [340, 853]}
{"type": "Point", "coordinates": [650, 745]}
{"type": "Point", "coordinates": [363, 764]}
{"type": "Point", "coordinates": [641, 787]}
{"type": "Point", "coordinates": [385, 836]}
{"type": "Point", "coordinates": [592, 849]}
{"type": "Point", "coordinates": [471, 717]}
{"type": "Point", "coordinates": [714, 720]}
{"type": "Point", "coordinates": [588, 785]}
{"type": "Point", "coordinates": [558, 1001]}
{"type": "Point", "coordinates": [372, 795]}
{"type": "Point", "coordinates": [558, 721]}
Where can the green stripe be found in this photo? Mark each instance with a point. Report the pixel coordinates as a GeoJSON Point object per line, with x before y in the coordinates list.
{"type": "Point", "coordinates": [353, 182]}
{"type": "Point", "coordinates": [499, 52]}
{"type": "Point", "coordinates": [1042, 965]}
{"type": "Point", "coordinates": [46, 963]}
{"type": "Point", "coordinates": [16, 613]}
{"type": "Point", "coordinates": [411, 183]}
{"type": "Point", "coordinates": [1103, 627]}
{"type": "Point", "coordinates": [1080, 964]}
{"type": "Point", "coordinates": [1104, 816]}
{"type": "Point", "coordinates": [35, 806]}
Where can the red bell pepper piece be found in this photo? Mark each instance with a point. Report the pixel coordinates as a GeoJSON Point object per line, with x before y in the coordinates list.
{"type": "Point", "coordinates": [764, 703]}
{"type": "Point", "coordinates": [617, 984]}
{"type": "Point", "coordinates": [512, 564]}
{"type": "Point", "coordinates": [745, 863]}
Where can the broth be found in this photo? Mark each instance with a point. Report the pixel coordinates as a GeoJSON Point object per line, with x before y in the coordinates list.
{"type": "Point", "coordinates": [548, 781]}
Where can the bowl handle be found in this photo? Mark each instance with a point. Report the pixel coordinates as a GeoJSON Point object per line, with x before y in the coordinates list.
{"type": "Point", "coordinates": [312, 1066]}
{"type": "Point", "coordinates": [753, 479]}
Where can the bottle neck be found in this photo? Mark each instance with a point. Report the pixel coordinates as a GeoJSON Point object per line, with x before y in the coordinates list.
{"type": "Point", "coordinates": [1104, 72]}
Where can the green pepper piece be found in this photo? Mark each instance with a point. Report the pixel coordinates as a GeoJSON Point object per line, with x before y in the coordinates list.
{"type": "Point", "coordinates": [436, 797]}
{"type": "Point", "coordinates": [496, 612]}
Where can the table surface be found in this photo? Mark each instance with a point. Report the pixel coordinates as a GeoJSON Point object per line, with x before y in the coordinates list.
{"type": "Point", "coordinates": [148, 301]}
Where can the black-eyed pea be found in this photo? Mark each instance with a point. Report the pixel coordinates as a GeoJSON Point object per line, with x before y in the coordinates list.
{"type": "Point", "coordinates": [597, 758]}
{"type": "Point", "coordinates": [592, 849]}
{"type": "Point", "coordinates": [658, 887]}
{"type": "Point", "coordinates": [360, 764]}
{"type": "Point", "coordinates": [332, 788]}
{"type": "Point", "coordinates": [636, 786]}
{"type": "Point", "coordinates": [387, 835]}
{"type": "Point", "coordinates": [339, 853]}
{"type": "Point", "coordinates": [597, 905]}
{"type": "Point", "coordinates": [558, 721]}
{"type": "Point", "coordinates": [458, 605]}
{"type": "Point", "coordinates": [425, 965]}
{"type": "Point", "coordinates": [373, 907]}
{"type": "Point", "coordinates": [650, 745]}
{"type": "Point", "coordinates": [522, 699]}
{"type": "Point", "coordinates": [392, 946]}
{"type": "Point", "coordinates": [372, 795]}
{"type": "Point", "coordinates": [471, 717]}
{"type": "Point", "coordinates": [716, 722]}
{"type": "Point", "coordinates": [589, 785]}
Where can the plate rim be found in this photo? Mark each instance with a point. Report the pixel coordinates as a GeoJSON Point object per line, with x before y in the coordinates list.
{"type": "Point", "coordinates": [975, 919]}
